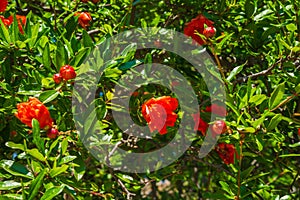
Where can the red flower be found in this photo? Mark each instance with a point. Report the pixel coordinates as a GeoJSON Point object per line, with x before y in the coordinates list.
{"type": "Point", "coordinates": [52, 133]}
{"type": "Point", "coordinates": [21, 22]}
{"type": "Point", "coordinates": [84, 19]}
{"type": "Point", "coordinates": [159, 113]}
{"type": "Point", "coordinates": [67, 72]}
{"type": "Point", "coordinates": [34, 109]}
{"type": "Point", "coordinates": [219, 127]}
{"type": "Point", "coordinates": [200, 124]}
{"type": "Point", "coordinates": [209, 32]}
{"type": "Point", "coordinates": [20, 18]}
{"type": "Point", "coordinates": [6, 21]}
{"type": "Point", "coordinates": [219, 110]}
{"type": "Point", "coordinates": [197, 26]}
{"type": "Point", "coordinates": [226, 152]}
{"type": "Point", "coordinates": [3, 5]}
{"type": "Point", "coordinates": [299, 131]}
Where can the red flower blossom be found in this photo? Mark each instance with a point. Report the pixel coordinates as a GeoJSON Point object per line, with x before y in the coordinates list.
{"type": "Point", "coordinates": [200, 124]}
{"type": "Point", "coordinates": [6, 21]}
{"type": "Point", "coordinates": [84, 19]}
{"type": "Point", "coordinates": [3, 5]}
{"type": "Point", "coordinates": [299, 131]}
{"type": "Point", "coordinates": [20, 18]}
{"type": "Point", "coordinates": [197, 26]}
{"type": "Point", "coordinates": [159, 113]}
{"type": "Point", "coordinates": [227, 152]}
{"type": "Point", "coordinates": [219, 110]}
{"type": "Point", "coordinates": [34, 109]}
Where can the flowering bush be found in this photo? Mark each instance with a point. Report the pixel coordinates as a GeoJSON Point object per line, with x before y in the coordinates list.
{"type": "Point", "coordinates": [48, 55]}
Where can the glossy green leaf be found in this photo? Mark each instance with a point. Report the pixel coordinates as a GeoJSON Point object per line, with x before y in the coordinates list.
{"type": "Point", "coordinates": [52, 192]}
{"type": "Point", "coordinates": [58, 170]}
{"type": "Point", "coordinates": [37, 135]}
{"type": "Point", "coordinates": [277, 96]}
{"type": "Point", "coordinates": [37, 183]}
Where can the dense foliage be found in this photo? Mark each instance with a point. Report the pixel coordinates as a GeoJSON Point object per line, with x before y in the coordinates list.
{"type": "Point", "coordinates": [256, 47]}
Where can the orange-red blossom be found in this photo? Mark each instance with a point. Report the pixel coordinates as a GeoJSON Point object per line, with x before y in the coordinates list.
{"type": "Point", "coordinates": [34, 109]}
{"type": "Point", "coordinates": [159, 113]}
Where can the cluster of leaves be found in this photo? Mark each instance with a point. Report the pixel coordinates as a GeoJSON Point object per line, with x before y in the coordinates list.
{"type": "Point", "coordinates": [257, 48]}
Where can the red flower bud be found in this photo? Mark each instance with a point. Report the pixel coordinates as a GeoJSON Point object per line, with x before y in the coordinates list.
{"type": "Point", "coordinates": [67, 72]}
{"type": "Point", "coordinates": [299, 131]}
{"type": "Point", "coordinates": [209, 32]}
{"type": "Point", "coordinates": [57, 78]}
{"type": "Point", "coordinates": [52, 133]}
{"type": "Point", "coordinates": [218, 128]}
{"type": "Point", "coordinates": [84, 19]}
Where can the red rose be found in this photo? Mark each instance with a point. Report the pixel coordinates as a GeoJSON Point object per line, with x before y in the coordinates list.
{"type": "Point", "coordinates": [200, 124]}
{"type": "Point", "coordinates": [3, 5]}
{"type": "Point", "coordinates": [209, 32]}
{"type": "Point", "coordinates": [67, 72]}
{"type": "Point", "coordinates": [52, 133]}
{"type": "Point", "coordinates": [84, 19]}
{"type": "Point", "coordinates": [197, 26]}
{"type": "Point", "coordinates": [57, 78]}
{"type": "Point", "coordinates": [219, 127]}
{"type": "Point", "coordinates": [159, 113]}
{"type": "Point", "coordinates": [219, 110]}
{"type": "Point", "coordinates": [34, 109]}
{"type": "Point", "coordinates": [226, 152]}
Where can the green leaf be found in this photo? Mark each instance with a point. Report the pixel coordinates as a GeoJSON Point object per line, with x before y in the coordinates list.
{"type": "Point", "coordinates": [235, 72]}
{"type": "Point", "coordinates": [250, 8]}
{"type": "Point", "coordinates": [245, 173]}
{"type": "Point", "coordinates": [276, 96]}
{"type": "Point", "coordinates": [226, 187]}
{"type": "Point", "coordinates": [290, 155]}
{"type": "Point", "coordinates": [52, 192]}
{"type": "Point", "coordinates": [15, 146]}
{"type": "Point", "coordinates": [11, 196]}
{"type": "Point", "coordinates": [255, 177]}
{"type": "Point", "coordinates": [64, 146]}
{"type": "Point", "coordinates": [46, 56]}
{"type": "Point", "coordinates": [9, 185]}
{"type": "Point", "coordinates": [48, 96]}
{"type": "Point", "coordinates": [274, 122]}
{"type": "Point", "coordinates": [87, 40]}
{"type": "Point", "coordinates": [4, 34]}
{"type": "Point", "coordinates": [37, 135]}
{"type": "Point", "coordinates": [257, 99]}
{"type": "Point", "coordinates": [36, 154]}
{"type": "Point", "coordinates": [36, 184]}
{"type": "Point", "coordinates": [15, 168]}
{"type": "Point", "coordinates": [259, 143]}
{"type": "Point", "coordinates": [58, 170]}
{"type": "Point", "coordinates": [67, 159]}
{"type": "Point", "coordinates": [80, 168]}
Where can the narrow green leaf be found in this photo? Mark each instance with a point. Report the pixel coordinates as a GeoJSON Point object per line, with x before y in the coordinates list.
{"type": "Point", "coordinates": [257, 99]}
{"type": "Point", "coordinates": [36, 154]}
{"type": "Point", "coordinates": [15, 146]}
{"type": "Point", "coordinates": [58, 170]}
{"type": "Point", "coordinates": [36, 184]}
{"type": "Point", "coordinates": [235, 72]}
{"type": "Point", "coordinates": [290, 155]}
{"type": "Point", "coordinates": [274, 122]}
{"type": "Point", "coordinates": [66, 159]}
{"type": "Point", "coordinates": [52, 192]}
{"type": "Point", "coordinates": [276, 96]}
{"type": "Point", "coordinates": [46, 56]}
{"type": "Point", "coordinates": [36, 135]}
{"type": "Point", "coordinates": [9, 185]}
{"type": "Point", "coordinates": [48, 96]}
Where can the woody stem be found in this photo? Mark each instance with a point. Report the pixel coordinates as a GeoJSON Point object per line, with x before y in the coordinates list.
{"type": "Point", "coordinates": [240, 169]}
{"type": "Point", "coordinates": [217, 60]}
